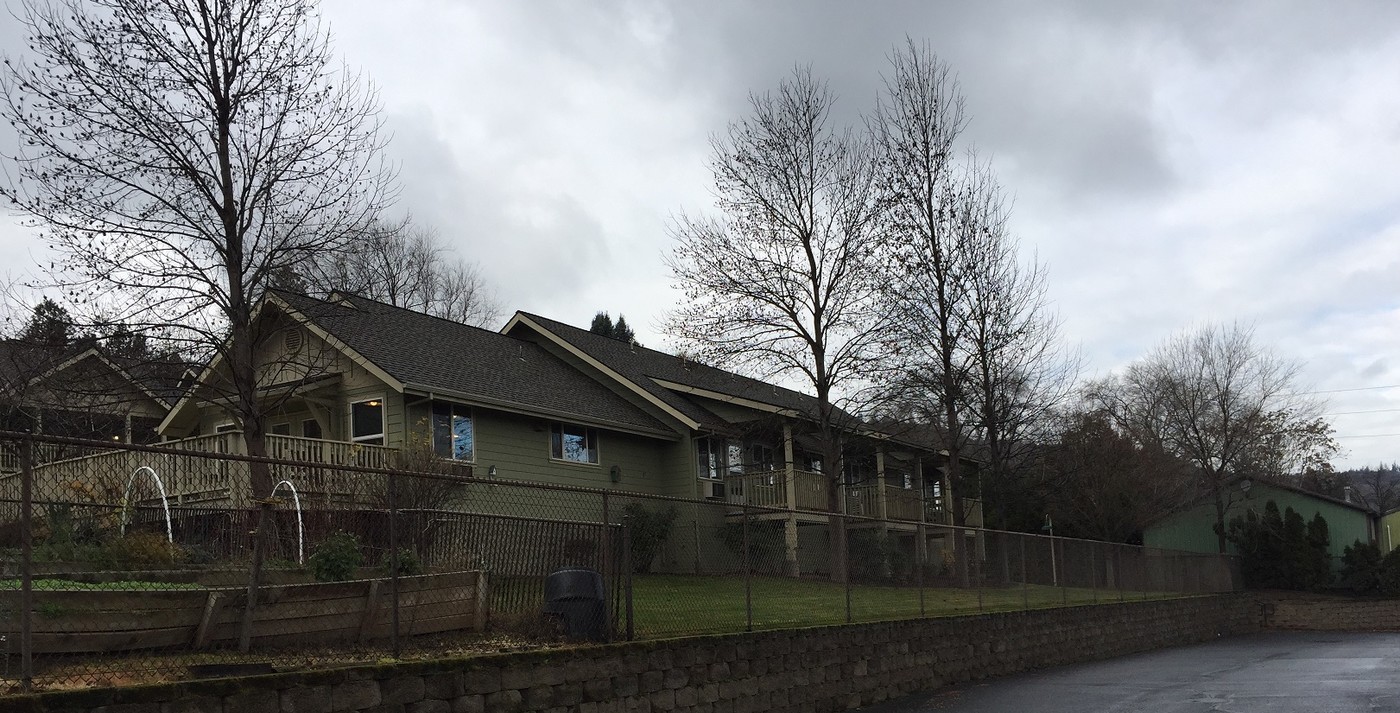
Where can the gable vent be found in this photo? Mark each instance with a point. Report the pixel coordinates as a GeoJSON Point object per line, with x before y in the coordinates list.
{"type": "Point", "coordinates": [292, 340]}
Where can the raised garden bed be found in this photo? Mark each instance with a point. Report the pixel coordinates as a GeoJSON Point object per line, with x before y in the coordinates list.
{"type": "Point", "coordinates": [131, 616]}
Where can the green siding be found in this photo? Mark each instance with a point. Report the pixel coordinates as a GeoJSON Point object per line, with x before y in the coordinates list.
{"type": "Point", "coordinates": [518, 446]}
{"type": "Point", "coordinates": [1193, 530]}
{"type": "Point", "coordinates": [1389, 531]}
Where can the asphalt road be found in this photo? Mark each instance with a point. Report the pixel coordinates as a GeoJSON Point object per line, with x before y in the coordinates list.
{"type": "Point", "coordinates": [1277, 672]}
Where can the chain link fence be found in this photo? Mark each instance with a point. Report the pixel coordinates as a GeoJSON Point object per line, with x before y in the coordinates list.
{"type": "Point", "coordinates": [133, 564]}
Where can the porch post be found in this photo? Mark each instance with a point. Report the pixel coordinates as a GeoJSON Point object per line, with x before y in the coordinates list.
{"type": "Point", "coordinates": [883, 507]}
{"type": "Point", "coordinates": [792, 568]}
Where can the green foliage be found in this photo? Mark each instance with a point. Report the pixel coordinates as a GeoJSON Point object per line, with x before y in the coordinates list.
{"type": "Point", "coordinates": [409, 564]}
{"type": "Point", "coordinates": [604, 325]}
{"type": "Point", "coordinates": [1361, 567]}
{"type": "Point", "coordinates": [49, 326]}
{"type": "Point", "coordinates": [649, 530]}
{"type": "Point", "coordinates": [766, 547]}
{"type": "Point", "coordinates": [142, 550]}
{"type": "Point", "coordinates": [1281, 551]}
{"type": "Point", "coordinates": [876, 557]}
{"type": "Point", "coordinates": [336, 558]}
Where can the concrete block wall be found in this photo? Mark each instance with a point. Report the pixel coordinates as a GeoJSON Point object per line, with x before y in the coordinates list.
{"type": "Point", "coordinates": [1318, 613]}
{"type": "Point", "coordinates": [822, 669]}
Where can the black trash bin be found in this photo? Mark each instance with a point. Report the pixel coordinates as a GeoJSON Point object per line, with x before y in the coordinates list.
{"type": "Point", "coordinates": [578, 598]}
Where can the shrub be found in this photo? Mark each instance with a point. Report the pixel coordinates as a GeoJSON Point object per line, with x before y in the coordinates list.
{"type": "Point", "coordinates": [1361, 567]}
{"type": "Point", "coordinates": [1389, 574]}
{"type": "Point", "coordinates": [876, 557]}
{"type": "Point", "coordinates": [649, 530]}
{"type": "Point", "coordinates": [1281, 551]}
{"type": "Point", "coordinates": [767, 549]}
{"type": "Point", "coordinates": [336, 558]}
{"type": "Point", "coordinates": [143, 549]}
{"type": "Point", "coordinates": [409, 563]}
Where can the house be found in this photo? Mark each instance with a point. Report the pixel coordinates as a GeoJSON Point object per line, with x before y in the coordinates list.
{"type": "Point", "coordinates": [81, 392]}
{"type": "Point", "coordinates": [1192, 528]}
{"type": "Point", "coordinates": [353, 381]}
{"type": "Point", "coordinates": [1388, 530]}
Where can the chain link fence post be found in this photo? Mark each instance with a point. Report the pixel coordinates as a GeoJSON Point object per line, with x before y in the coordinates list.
{"type": "Point", "coordinates": [846, 564]}
{"type": "Point", "coordinates": [1025, 580]}
{"type": "Point", "coordinates": [921, 553]}
{"type": "Point", "coordinates": [628, 612]}
{"type": "Point", "coordinates": [26, 596]}
{"type": "Point", "coordinates": [394, 563]}
{"type": "Point", "coordinates": [748, 574]}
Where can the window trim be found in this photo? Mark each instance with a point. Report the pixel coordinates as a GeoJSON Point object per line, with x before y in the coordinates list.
{"type": "Point", "coordinates": [587, 430]}
{"type": "Point", "coordinates": [383, 435]}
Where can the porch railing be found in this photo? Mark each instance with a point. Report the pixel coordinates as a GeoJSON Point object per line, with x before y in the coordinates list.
{"type": "Point", "coordinates": [188, 480]}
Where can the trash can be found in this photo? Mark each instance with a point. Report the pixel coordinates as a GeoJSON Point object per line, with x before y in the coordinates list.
{"type": "Point", "coordinates": [577, 598]}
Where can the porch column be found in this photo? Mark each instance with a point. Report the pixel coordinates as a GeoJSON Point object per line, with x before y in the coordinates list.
{"type": "Point", "coordinates": [883, 507]}
{"type": "Point", "coordinates": [792, 568]}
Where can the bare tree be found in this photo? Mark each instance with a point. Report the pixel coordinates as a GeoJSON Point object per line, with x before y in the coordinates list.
{"type": "Point", "coordinates": [1218, 400]}
{"type": "Point", "coordinates": [786, 282]}
{"type": "Point", "coordinates": [1020, 371]}
{"type": "Point", "coordinates": [408, 266]}
{"type": "Point", "coordinates": [181, 154]}
{"type": "Point", "coordinates": [937, 210]}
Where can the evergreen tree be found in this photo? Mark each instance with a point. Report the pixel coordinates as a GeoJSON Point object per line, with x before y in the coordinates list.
{"type": "Point", "coordinates": [50, 325]}
{"type": "Point", "coordinates": [604, 325]}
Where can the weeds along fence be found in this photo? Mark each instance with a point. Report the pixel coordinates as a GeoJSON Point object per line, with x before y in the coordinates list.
{"type": "Point", "coordinates": [136, 563]}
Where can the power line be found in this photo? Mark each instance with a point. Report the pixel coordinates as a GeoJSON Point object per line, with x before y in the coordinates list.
{"type": "Point", "coordinates": [1373, 435]}
{"type": "Point", "coordinates": [1338, 391]}
{"type": "Point", "coordinates": [1349, 413]}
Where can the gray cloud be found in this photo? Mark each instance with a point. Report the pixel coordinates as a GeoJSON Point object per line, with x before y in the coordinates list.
{"type": "Point", "coordinates": [1174, 163]}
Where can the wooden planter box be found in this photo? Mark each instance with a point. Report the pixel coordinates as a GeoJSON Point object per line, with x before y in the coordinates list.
{"type": "Point", "coordinates": [94, 621]}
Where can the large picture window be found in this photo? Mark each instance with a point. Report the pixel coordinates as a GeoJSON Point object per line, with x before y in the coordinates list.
{"type": "Point", "coordinates": [367, 422]}
{"type": "Point", "coordinates": [453, 433]}
{"type": "Point", "coordinates": [575, 444]}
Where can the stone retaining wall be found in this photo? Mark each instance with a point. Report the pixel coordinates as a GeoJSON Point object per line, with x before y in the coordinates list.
{"type": "Point", "coordinates": [832, 668]}
{"type": "Point", "coordinates": [1317, 613]}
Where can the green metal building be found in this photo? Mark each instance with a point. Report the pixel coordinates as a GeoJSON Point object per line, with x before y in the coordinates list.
{"type": "Point", "coordinates": [1193, 528]}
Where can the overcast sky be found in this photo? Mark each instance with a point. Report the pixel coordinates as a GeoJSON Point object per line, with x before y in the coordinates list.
{"type": "Point", "coordinates": [1173, 163]}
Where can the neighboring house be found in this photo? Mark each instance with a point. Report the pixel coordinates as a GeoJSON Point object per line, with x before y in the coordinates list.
{"type": "Point", "coordinates": [80, 392]}
{"type": "Point", "coordinates": [1388, 531]}
{"type": "Point", "coordinates": [1192, 528]}
{"type": "Point", "coordinates": [352, 381]}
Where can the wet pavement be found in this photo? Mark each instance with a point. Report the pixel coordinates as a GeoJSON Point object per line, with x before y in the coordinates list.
{"type": "Point", "coordinates": [1275, 672]}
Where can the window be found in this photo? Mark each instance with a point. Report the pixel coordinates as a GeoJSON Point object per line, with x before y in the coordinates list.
{"type": "Point", "coordinates": [575, 444]}
{"type": "Point", "coordinates": [310, 428]}
{"type": "Point", "coordinates": [453, 436]}
{"type": "Point", "coordinates": [762, 457]}
{"type": "Point", "coordinates": [367, 422]}
{"type": "Point", "coordinates": [280, 429]}
{"type": "Point", "coordinates": [706, 460]}
{"type": "Point", "coordinates": [735, 455]}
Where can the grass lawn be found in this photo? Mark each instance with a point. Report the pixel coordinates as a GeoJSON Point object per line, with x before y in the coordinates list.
{"type": "Point", "coordinates": [686, 604]}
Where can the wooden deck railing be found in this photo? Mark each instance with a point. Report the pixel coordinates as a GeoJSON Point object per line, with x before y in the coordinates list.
{"type": "Point", "coordinates": [194, 480]}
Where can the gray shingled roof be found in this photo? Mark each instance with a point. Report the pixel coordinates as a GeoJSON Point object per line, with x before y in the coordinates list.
{"type": "Point", "coordinates": [431, 354]}
{"type": "Point", "coordinates": [642, 366]}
